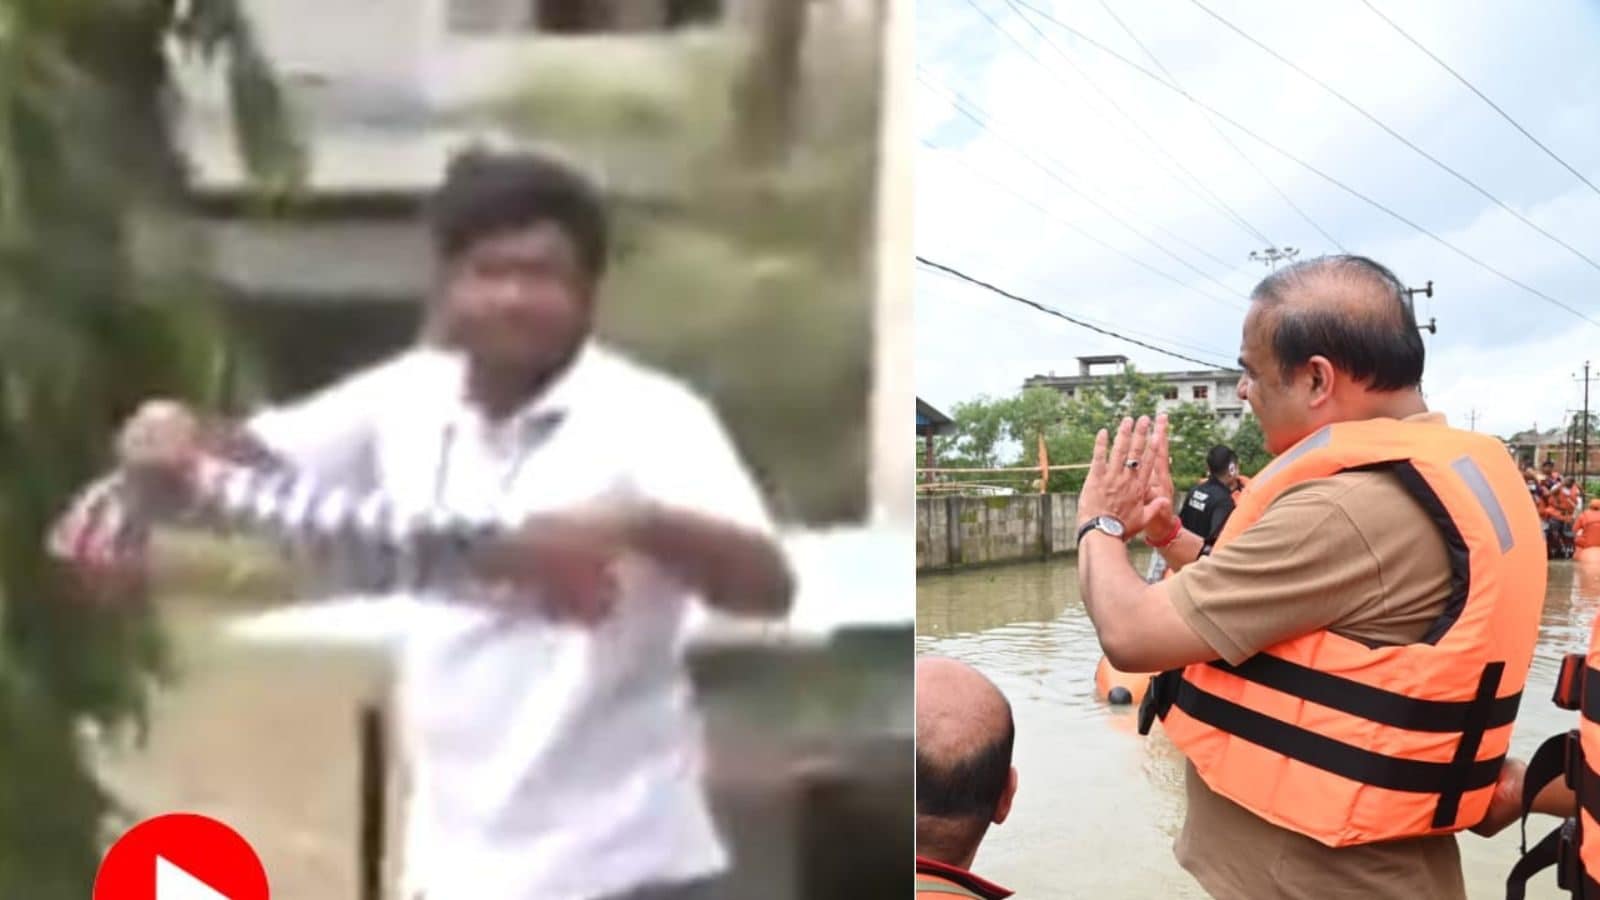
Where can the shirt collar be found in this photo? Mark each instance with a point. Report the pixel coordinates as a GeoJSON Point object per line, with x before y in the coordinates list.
{"type": "Point", "coordinates": [988, 889]}
{"type": "Point", "coordinates": [552, 404]}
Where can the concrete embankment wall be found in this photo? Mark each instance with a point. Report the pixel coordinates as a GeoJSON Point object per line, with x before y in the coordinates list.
{"type": "Point", "coordinates": [961, 532]}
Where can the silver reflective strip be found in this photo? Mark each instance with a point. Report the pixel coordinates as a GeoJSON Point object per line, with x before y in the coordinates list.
{"type": "Point", "coordinates": [1473, 476]}
{"type": "Point", "coordinates": [1316, 441]}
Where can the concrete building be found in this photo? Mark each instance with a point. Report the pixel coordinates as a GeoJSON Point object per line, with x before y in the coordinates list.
{"type": "Point", "coordinates": [1215, 389]}
{"type": "Point", "coordinates": [384, 92]}
{"type": "Point", "coordinates": [1532, 447]}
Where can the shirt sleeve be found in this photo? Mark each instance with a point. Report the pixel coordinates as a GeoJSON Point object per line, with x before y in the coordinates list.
{"type": "Point", "coordinates": [1302, 567]}
{"type": "Point", "coordinates": [698, 469]}
{"type": "Point", "coordinates": [329, 434]}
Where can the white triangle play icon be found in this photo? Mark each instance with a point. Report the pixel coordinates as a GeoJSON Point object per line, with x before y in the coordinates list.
{"type": "Point", "coordinates": [173, 883]}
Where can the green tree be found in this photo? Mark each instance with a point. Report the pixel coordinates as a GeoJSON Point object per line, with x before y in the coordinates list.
{"type": "Point", "coordinates": [1251, 446]}
{"type": "Point", "coordinates": [1192, 431]}
{"type": "Point", "coordinates": [1005, 432]}
{"type": "Point", "coordinates": [979, 431]}
{"type": "Point", "coordinates": [101, 304]}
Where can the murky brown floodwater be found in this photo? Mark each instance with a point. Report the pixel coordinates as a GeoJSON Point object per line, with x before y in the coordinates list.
{"type": "Point", "coordinates": [1098, 806]}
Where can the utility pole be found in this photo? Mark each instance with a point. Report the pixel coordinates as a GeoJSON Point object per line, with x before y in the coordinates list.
{"type": "Point", "coordinates": [1584, 463]}
{"type": "Point", "coordinates": [1472, 417]}
{"type": "Point", "coordinates": [1411, 299]}
{"type": "Point", "coordinates": [1272, 255]}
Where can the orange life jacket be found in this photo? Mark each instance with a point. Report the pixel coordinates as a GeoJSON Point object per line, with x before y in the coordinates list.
{"type": "Point", "coordinates": [1565, 502]}
{"type": "Point", "coordinates": [1349, 743]}
{"type": "Point", "coordinates": [939, 881]}
{"type": "Point", "coordinates": [1588, 529]}
{"type": "Point", "coordinates": [1574, 845]}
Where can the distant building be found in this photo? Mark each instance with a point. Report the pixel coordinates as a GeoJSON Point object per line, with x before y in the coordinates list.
{"type": "Point", "coordinates": [1533, 447]}
{"type": "Point", "coordinates": [1215, 389]}
{"type": "Point", "coordinates": [931, 423]}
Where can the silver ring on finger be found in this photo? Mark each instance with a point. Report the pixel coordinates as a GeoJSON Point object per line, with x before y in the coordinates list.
{"type": "Point", "coordinates": [1132, 463]}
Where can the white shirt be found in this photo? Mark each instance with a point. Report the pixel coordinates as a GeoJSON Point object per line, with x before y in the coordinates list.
{"type": "Point", "coordinates": [555, 761]}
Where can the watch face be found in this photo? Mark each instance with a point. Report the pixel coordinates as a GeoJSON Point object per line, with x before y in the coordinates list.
{"type": "Point", "coordinates": [1110, 526]}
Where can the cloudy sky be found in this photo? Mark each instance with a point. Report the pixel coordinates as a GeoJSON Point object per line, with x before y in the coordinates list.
{"type": "Point", "coordinates": [1076, 181]}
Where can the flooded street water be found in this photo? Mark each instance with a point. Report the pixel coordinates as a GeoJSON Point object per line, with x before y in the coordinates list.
{"type": "Point", "coordinates": [1097, 805]}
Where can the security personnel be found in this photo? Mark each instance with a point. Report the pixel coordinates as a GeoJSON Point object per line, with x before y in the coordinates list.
{"type": "Point", "coordinates": [1208, 506]}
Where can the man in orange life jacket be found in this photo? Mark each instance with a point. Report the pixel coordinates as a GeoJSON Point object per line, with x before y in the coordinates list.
{"type": "Point", "coordinates": [1343, 669]}
{"type": "Point", "coordinates": [965, 780]}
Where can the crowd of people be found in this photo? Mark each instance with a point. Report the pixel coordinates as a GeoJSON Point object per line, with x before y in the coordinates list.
{"type": "Point", "coordinates": [1570, 522]}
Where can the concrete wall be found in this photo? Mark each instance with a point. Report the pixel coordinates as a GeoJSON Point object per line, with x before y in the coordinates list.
{"type": "Point", "coordinates": [958, 532]}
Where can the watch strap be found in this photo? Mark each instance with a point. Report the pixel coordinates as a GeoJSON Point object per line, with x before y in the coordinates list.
{"type": "Point", "coordinates": [1084, 529]}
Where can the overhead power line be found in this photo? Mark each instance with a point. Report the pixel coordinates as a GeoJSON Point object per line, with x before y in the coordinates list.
{"type": "Point", "coordinates": [1441, 164]}
{"type": "Point", "coordinates": [1123, 222]}
{"type": "Point", "coordinates": [1061, 315]}
{"type": "Point", "coordinates": [1194, 185]}
{"type": "Point", "coordinates": [1311, 168]}
{"type": "Point", "coordinates": [1238, 151]}
{"type": "Point", "coordinates": [1054, 164]}
{"type": "Point", "coordinates": [1158, 338]}
{"type": "Point", "coordinates": [1093, 237]}
{"type": "Point", "coordinates": [1481, 96]}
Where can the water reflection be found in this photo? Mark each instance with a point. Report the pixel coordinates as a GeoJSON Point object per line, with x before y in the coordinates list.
{"type": "Point", "coordinates": [1098, 806]}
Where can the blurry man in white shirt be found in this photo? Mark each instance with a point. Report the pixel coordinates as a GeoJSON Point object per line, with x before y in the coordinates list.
{"type": "Point", "coordinates": [555, 731]}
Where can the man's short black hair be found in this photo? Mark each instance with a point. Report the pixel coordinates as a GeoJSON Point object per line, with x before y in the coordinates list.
{"type": "Point", "coordinates": [967, 788]}
{"type": "Point", "coordinates": [486, 192]}
{"type": "Point", "coordinates": [1381, 347]}
{"type": "Point", "coordinates": [1219, 459]}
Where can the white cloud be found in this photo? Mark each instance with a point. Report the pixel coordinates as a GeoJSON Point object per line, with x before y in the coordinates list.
{"type": "Point", "coordinates": [1499, 350]}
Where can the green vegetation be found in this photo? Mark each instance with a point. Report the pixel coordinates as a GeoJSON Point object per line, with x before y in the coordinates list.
{"type": "Point", "coordinates": [1005, 432]}
{"type": "Point", "coordinates": [101, 303]}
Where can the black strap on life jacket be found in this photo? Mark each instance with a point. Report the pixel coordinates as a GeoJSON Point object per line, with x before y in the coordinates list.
{"type": "Point", "coordinates": [1469, 718]}
{"type": "Point", "coordinates": [1577, 688]}
{"type": "Point", "coordinates": [1375, 704]}
{"type": "Point", "coordinates": [1559, 848]}
{"type": "Point", "coordinates": [1572, 681]}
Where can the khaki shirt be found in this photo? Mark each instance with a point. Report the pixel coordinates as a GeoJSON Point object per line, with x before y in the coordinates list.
{"type": "Point", "coordinates": [1355, 554]}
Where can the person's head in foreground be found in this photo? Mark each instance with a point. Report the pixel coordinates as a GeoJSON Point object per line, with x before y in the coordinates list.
{"type": "Point", "coordinates": [1223, 464]}
{"type": "Point", "coordinates": [1329, 340]}
{"type": "Point", "coordinates": [965, 781]}
{"type": "Point", "coordinates": [1548, 467]}
{"type": "Point", "coordinates": [522, 242]}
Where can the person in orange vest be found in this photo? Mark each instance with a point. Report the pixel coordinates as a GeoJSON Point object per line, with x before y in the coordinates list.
{"type": "Point", "coordinates": [1587, 528]}
{"type": "Point", "coordinates": [965, 781]}
{"type": "Point", "coordinates": [1343, 671]}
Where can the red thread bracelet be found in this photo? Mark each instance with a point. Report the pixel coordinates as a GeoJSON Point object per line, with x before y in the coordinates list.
{"type": "Point", "coordinates": [1177, 530]}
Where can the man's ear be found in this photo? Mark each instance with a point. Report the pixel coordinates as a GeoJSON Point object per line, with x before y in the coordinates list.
{"type": "Point", "coordinates": [1320, 374]}
{"type": "Point", "coordinates": [1003, 808]}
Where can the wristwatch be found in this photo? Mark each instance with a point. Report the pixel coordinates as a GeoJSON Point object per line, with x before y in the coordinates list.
{"type": "Point", "coordinates": [1109, 524]}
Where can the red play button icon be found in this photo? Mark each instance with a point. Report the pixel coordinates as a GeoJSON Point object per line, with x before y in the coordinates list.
{"type": "Point", "coordinates": [181, 857]}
